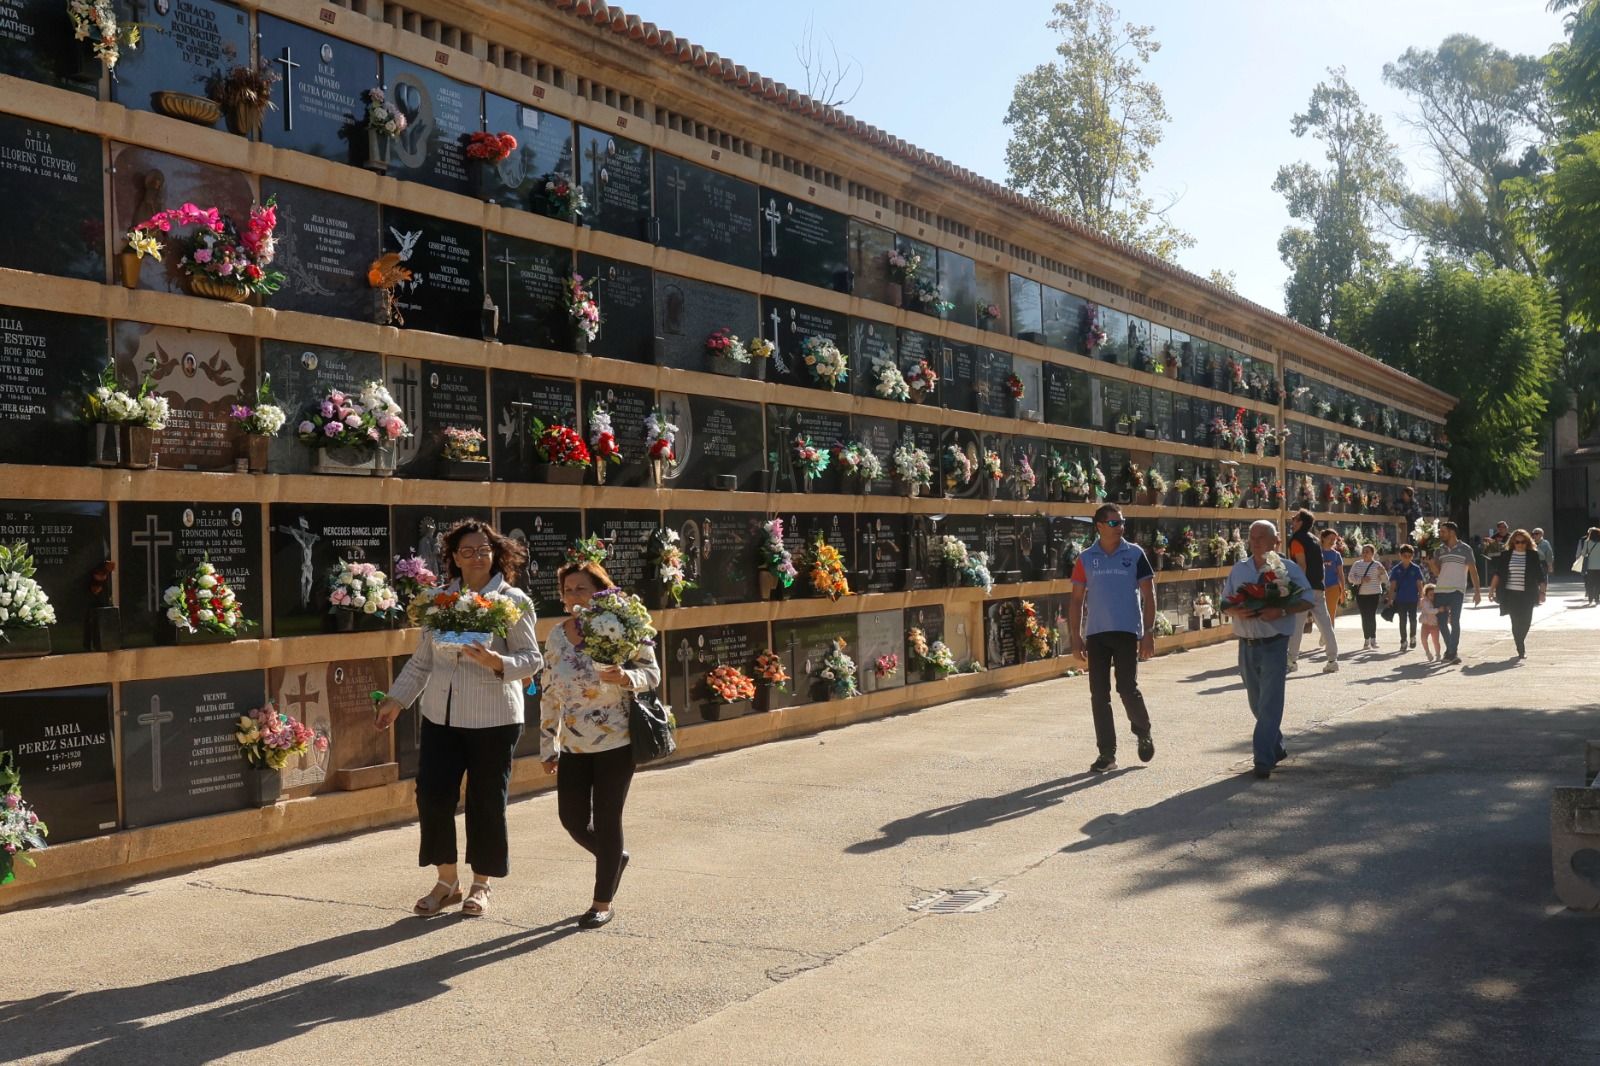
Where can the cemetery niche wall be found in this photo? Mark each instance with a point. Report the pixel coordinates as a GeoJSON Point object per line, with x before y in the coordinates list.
{"type": "Point", "coordinates": [816, 389]}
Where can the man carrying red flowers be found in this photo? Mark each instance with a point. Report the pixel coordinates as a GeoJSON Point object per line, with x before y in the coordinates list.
{"type": "Point", "coordinates": [1263, 594]}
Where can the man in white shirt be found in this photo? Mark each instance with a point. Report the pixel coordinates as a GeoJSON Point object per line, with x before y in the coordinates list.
{"type": "Point", "coordinates": [1454, 567]}
{"type": "Point", "coordinates": [1547, 551]}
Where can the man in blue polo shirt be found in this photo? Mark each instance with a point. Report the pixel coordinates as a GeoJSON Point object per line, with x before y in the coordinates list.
{"type": "Point", "coordinates": [1112, 621]}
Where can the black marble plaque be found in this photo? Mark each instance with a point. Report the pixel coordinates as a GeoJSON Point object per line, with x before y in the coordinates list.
{"type": "Point", "coordinates": [160, 543]}
{"type": "Point", "coordinates": [1033, 547]}
{"type": "Point", "coordinates": [881, 556]}
{"type": "Point", "coordinates": [183, 43]}
{"type": "Point", "coordinates": [930, 620]}
{"type": "Point", "coordinates": [627, 536]}
{"type": "Point", "coordinates": [37, 43]}
{"type": "Point", "coordinates": [420, 531]}
{"type": "Point", "coordinates": [922, 556]}
{"type": "Point", "coordinates": [718, 554]}
{"type": "Point", "coordinates": [145, 182]}
{"type": "Point", "coordinates": [803, 242]}
{"type": "Point", "coordinates": [871, 345]}
{"type": "Point", "coordinates": [1063, 320]}
{"type": "Point", "coordinates": [440, 113]}
{"type": "Point", "coordinates": [43, 164]}
{"type": "Point", "coordinates": [823, 428]}
{"type": "Point", "coordinates": [549, 400]}
{"type": "Point", "coordinates": [69, 542]}
{"type": "Point", "coordinates": [880, 435]}
{"type": "Point", "coordinates": [707, 213]}
{"type": "Point", "coordinates": [800, 533]}
{"type": "Point", "coordinates": [526, 281]}
{"type": "Point", "coordinates": [61, 740]}
{"type": "Point", "coordinates": [1116, 348]}
{"type": "Point", "coordinates": [201, 375]}
{"type": "Point", "coordinates": [688, 312]}
{"type": "Point", "coordinates": [1057, 394]}
{"type": "Point", "coordinates": [309, 540]}
{"type": "Point", "coordinates": [615, 174]}
{"type": "Point", "coordinates": [993, 373]}
{"type": "Point", "coordinates": [1005, 564]}
{"type": "Point", "coordinates": [445, 293]}
{"type": "Point", "coordinates": [449, 396]}
{"type": "Point", "coordinates": [180, 758]}
{"type": "Point", "coordinates": [963, 376]}
{"type": "Point", "coordinates": [629, 407]}
{"type": "Point", "coordinates": [301, 376]}
{"type": "Point", "coordinates": [869, 252]}
{"type": "Point", "coordinates": [688, 655]}
{"type": "Point", "coordinates": [958, 280]}
{"type": "Point", "coordinates": [544, 150]}
{"type": "Point", "coordinates": [716, 438]}
{"type": "Point", "coordinates": [1001, 646]}
{"type": "Point", "coordinates": [326, 244]}
{"type": "Point", "coordinates": [626, 295]}
{"type": "Point", "coordinates": [547, 534]}
{"type": "Point", "coordinates": [1027, 309]}
{"type": "Point", "coordinates": [48, 361]}
{"type": "Point", "coordinates": [789, 325]}
{"type": "Point", "coordinates": [801, 644]}
{"type": "Point", "coordinates": [319, 91]}
{"type": "Point", "coordinates": [927, 271]}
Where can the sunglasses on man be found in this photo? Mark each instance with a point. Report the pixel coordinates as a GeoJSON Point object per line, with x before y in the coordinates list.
{"type": "Point", "coordinates": [1114, 523]}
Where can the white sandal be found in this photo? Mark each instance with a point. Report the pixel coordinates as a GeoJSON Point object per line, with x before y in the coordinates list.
{"type": "Point", "coordinates": [429, 905]}
{"type": "Point", "coordinates": [477, 904]}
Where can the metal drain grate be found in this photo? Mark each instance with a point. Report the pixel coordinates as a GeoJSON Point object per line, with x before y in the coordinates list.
{"type": "Point", "coordinates": [965, 901]}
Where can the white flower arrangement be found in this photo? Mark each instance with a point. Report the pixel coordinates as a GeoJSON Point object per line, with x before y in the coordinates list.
{"type": "Point", "coordinates": [825, 362]}
{"type": "Point", "coordinates": [892, 383]}
{"type": "Point", "coordinates": [361, 587]}
{"type": "Point", "coordinates": [23, 603]}
{"type": "Point", "coordinates": [202, 600]}
{"type": "Point", "coordinates": [911, 465]}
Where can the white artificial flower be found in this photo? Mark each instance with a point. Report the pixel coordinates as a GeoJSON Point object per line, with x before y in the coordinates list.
{"type": "Point", "coordinates": [207, 616]}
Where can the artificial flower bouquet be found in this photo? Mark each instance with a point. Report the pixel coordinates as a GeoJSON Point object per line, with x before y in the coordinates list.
{"type": "Point", "coordinates": [884, 667]}
{"type": "Point", "coordinates": [590, 549]}
{"type": "Point", "coordinates": [912, 467]}
{"type": "Point", "coordinates": [490, 147]}
{"type": "Point", "coordinates": [23, 603]}
{"type": "Point", "coordinates": [921, 379]}
{"type": "Point", "coordinates": [581, 307]}
{"type": "Point", "coordinates": [265, 418]}
{"type": "Point", "coordinates": [724, 344]}
{"type": "Point", "coordinates": [366, 419]}
{"type": "Point", "coordinates": [770, 671]}
{"type": "Point", "coordinates": [839, 671]}
{"type": "Point", "coordinates": [563, 198]}
{"type": "Point", "coordinates": [962, 466]}
{"type": "Point", "coordinates": [1035, 635]}
{"type": "Point", "coordinates": [892, 384]}
{"type": "Point", "coordinates": [361, 588]}
{"type": "Point", "coordinates": [775, 558]}
{"type": "Point", "coordinates": [1015, 387]}
{"type": "Point", "coordinates": [660, 437]}
{"type": "Point", "coordinates": [824, 361]}
{"type": "Point", "coordinates": [970, 569]}
{"type": "Point", "coordinates": [21, 831]}
{"type": "Point", "coordinates": [464, 445]}
{"type": "Point", "coordinates": [810, 460]}
{"type": "Point", "coordinates": [855, 459]}
{"type": "Point", "coordinates": [412, 579]}
{"type": "Point", "coordinates": [216, 250]}
{"type": "Point", "coordinates": [1425, 535]}
{"type": "Point", "coordinates": [110, 403]}
{"type": "Point", "coordinates": [903, 266]}
{"type": "Point", "coordinates": [95, 21]}
{"type": "Point", "coordinates": [665, 553]}
{"type": "Point", "coordinates": [993, 469]}
{"type": "Point", "coordinates": [268, 738]}
{"type": "Point", "coordinates": [380, 115]}
{"type": "Point", "coordinates": [559, 445]}
{"type": "Point", "coordinates": [603, 446]}
{"type": "Point", "coordinates": [201, 601]}
{"type": "Point", "coordinates": [729, 684]}
{"type": "Point", "coordinates": [827, 570]}
{"type": "Point", "coordinates": [615, 627]}
{"type": "Point", "coordinates": [467, 617]}
{"type": "Point", "coordinates": [1272, 588]}
{"type": "Point", "coordinates": [934, 656]}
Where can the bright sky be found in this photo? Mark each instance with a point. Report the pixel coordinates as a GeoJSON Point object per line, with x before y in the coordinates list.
{"type": "Point", "coordinates": [939, 73]}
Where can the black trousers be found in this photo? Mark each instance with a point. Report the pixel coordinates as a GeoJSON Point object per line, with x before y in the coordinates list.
{"type": "Point", "coordinates": [484, 756]}
{"type": "Point", "coordinates": [1406, 615]}
{"type": "Point", "coordinates": [591, 791]}
{"type": "Point", "coordinates": [1591, 584]}
{"type": "Point", "coordinates": [1119, 650]}
{"type": "Point", "coordinates": [1521, 612]}
{"type": "Point", "coordinates": [1368, 603]}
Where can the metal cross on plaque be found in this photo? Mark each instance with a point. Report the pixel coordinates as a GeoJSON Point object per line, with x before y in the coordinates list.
{"type": "Point", "coordinates": [679, 185]}
{"type": "Point", "coordinates": [154, 719]}
{"type": "Point", "coordinates": [289, 67]}
{"type": "Point", "coordinates": [685, 656]}
{"type": "Point", "coordinates": [152, 538]}
{"type": "Point", "coordinates": [773, 218]}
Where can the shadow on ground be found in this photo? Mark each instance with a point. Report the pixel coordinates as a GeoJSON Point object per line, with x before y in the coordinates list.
{"type": "Point", "coordinates": [1409, 859]}
{"type": "Point", "coordinates": [980, 812]}
{"type": "Point", "coordinates": [114, 1025]}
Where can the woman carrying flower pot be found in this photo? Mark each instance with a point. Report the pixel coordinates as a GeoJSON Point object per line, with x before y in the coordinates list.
{"type": "Point", "coordinates": [472, 699]}
{"type": "Point", "coordinates": [583, 735]}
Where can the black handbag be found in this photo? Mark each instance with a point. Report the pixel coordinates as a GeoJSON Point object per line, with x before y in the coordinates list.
{"type": "Point", "coordinates": [651, 728]}
{"type": "Point", "coordinates": [1388, 612]}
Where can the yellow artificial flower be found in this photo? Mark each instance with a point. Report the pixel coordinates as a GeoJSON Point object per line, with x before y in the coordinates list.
{"type": "Point", "coordinates": [144, 244]}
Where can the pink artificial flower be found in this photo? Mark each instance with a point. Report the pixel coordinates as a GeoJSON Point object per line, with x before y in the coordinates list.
{"type": "Point", "coordinates": [394, 429]}
{"type": "Point", "coordinates": [327, 409]}
{"type": "Point", "coordinates": [307, 427]}
{"type": "Point", "coordinates": [372, 434]}
{"type": "Point", "coordinates": [336, 396]}
{"type": "Point", "coordinates": [333, 429]}
{"type": "Point", "coordinates": [202, 255]}
{"type": "Point", "coordinates": [353, 421]}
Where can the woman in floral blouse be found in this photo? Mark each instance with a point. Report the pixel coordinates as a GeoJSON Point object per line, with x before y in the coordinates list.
{"type": "Point", "coordinates": [583, 734]}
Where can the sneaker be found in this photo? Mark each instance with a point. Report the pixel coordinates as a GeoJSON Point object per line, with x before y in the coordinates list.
{"type": "Point", "coordinates": [1280, 753]}
{"type": "Point", "coordinates": [1454, 660]}
{"type": "Point", "coordinates": [1332, 667]}
{"type": "Point", "coordinates": [1102, 764]}
{"type": "Point", "coordinates": [1147, 748]}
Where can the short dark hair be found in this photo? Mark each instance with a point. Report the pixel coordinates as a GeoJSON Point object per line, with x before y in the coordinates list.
{"type": "Point", "coordinates": [509, 556]}
{"type": "Point", "coordinates": [1104, 512]}
{"type": "Point", "coordinates": [1451, 526]}
{"type": "Point", "coordinates": [1406, 549]}
{"type": "Point", "coordinates": [1304, 519]}
{"type": "Point", "coordinates": [596, 572]}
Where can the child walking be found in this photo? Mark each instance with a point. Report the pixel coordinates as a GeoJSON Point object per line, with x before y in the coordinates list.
{"type": "Point", "coordinates": [1430, 615]}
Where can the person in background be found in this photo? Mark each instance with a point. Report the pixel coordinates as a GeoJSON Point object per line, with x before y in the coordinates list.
{"type": "Point", "coordinates": [471, 720]}
{"type": "Point", "coordinates": [1454, 567]}
{"type": "Point", "coordinates": [1493, 543]}
{"type": "Point", "coordinates": [1332, 572]}
{"type": "Point", "coordinates": [1518, 583]}
{"type": "Point", "coordinates": [1368, 578]}
{"type": "Point", "coordinates": [1429, 611]}
{"type": "Point", "coordinates": [1407, 505]}
{"type": "Point", "coordinates": [1589, 560]}
{"type": "Point", "coordinates": [1264, 643]}
{"type": "Point", "coordinates": [584, 736]}
{"type": "Point", "coordinates": [1547, 551]}
{"type": "Point", "coordinates": [1114, 600]}
{"type": "Point", "coordinates": [1306, 553]}
{"type": "Point", "coordinates": [1405, 592]}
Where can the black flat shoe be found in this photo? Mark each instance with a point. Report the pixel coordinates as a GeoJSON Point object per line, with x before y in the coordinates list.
{"type": "Point", "coordinates": [1263, 772]}
{"type": "Point", "coordinates": [593, 919]}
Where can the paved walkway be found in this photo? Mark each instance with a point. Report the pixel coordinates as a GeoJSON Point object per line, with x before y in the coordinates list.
{"type": "Point", "coordinates": [1386, 898]}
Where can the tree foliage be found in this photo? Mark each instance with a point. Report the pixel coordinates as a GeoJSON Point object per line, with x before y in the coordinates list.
{"type": "Point", "coordinates": [1341, 207]}
{"type": "Point", "coordinates": [1488, 335]}
{"type": "Point", "coordinates": [1083, 126]}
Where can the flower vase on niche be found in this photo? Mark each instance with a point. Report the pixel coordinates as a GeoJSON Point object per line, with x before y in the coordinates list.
{"type": "Point", "coordinates": [105, 444]}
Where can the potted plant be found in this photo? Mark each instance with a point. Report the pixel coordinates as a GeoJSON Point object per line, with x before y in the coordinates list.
{"type": "Point", "coordinates": [777, 564]}
{"type": "Point", "coordinates": [664, 554]}
{"type": "Point", "coordinates": [913, 473]}
{"type": "Point", "coordinates": [243, 93]}
{"type": "Point", "coordinates": [372, 135]}
{"type": "Point", "coordinates": [603, 446]}
{"type": "Point", "coordinates": [558, 196]}
{"type": "Point", "coordinates": [268, 738]}
{"type": "Point", "coordinates": [562, 456]}
{"type": "Point", "coordinates": [218, 261]}
{"type": "Point", "coordinates": [770, 677]}
{"type": "Point", "coordinates": [357, 591]}
{"type": "Point", "coordinates": [485, 152]}
{"type": "Point", "coordinates": [354, 434]}
{"type": "Point", "coordinates": [725, 353]}
{"type": "Point", "coordinates": [660, 440]}
{"type": "Point", "coordinates": [810, 461]}
{"type": "Point", "coordinates": [385, 275]}
{"type": "Point", "coordinates": [259, 424]}
{"type": "Point", "coordinates": [731, 693]}
{"type": "Point", "coordinates": [202, 609]}
{"type": "Point", "coordinates": [462, 458]}
{"type": "Point", "coordinates": [25, 611]}
{"type": "Point", "coordinates": [826, 364]}
{"type": "Point", "coordinates": [582, 311]}
{"type": "Point", "coordinates": [838, 670]}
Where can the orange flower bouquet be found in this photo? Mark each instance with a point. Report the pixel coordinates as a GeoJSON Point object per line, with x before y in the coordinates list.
{"type": "Point", "coordinates": [730, 684]}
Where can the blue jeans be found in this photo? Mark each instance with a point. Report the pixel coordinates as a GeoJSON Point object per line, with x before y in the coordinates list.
{"type": "Point", "coordinates": [1450, 604]}
{"type": "Point", "coordinates": [1263, 667]}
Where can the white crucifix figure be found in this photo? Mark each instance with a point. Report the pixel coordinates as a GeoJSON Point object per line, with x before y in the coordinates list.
{"type": "Point", "coordinates": [773, 218]}
{"type": "Point", "coordinates": [154, 719]}
{"type": "Point", "coordinates": [289, 67]}
{"type": "Point", "coordinates": [152, 538]}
